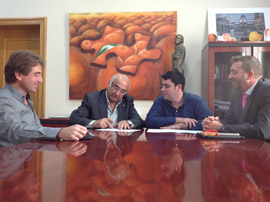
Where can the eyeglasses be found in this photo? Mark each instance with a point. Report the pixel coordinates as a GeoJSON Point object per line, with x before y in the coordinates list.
{"type": "Point", "coordinates": [117, 88]}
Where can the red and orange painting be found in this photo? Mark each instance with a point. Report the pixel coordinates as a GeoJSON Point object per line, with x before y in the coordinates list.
{"type": "Point", "coordinates": [137, 44]}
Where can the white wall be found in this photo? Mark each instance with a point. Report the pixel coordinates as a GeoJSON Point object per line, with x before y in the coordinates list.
{"type": "Point", "coordinates": [192, 24]}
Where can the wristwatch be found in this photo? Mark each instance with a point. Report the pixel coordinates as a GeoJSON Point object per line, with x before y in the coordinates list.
{"type": "Point", "coordinates": [221, 129]}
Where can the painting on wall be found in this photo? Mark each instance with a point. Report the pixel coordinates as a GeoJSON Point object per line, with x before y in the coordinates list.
{"type": "Point", "coordinates": [246, 24]}
{"type": "Point", "coordinates": [137, 44]}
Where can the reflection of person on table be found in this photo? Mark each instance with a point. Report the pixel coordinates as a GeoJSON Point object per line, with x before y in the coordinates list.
{"type": "Point", "coordinates": [173, 151]}
{"type": "Point", "coordinates": [17, 182]}
{"type": "Point", "coordinates": [111, 107]}
{"type": "Point", "coordinates": [21, 187]}
{"type": "Point", "coordinates": [211, 145]}
{"type": "Point", "coordinates": [177, 109]}
{"type": "Point", "coordinates": [112, 147]}
{"type": "Point", "coordinates": [13, 158]}
{"type": "Point", "coordinates": [188, 144]}
{"type": "Point", "coordinates": [117, 166]}
{"type": "Point", "coordinates": [20, 184]}
{"type": "Point", "coordinates": [73, 148]}
{"type": "Point", "coordinates": [17, 115]}
{"type": "Point", "coordinates": [242, 177]}
{"type": "Point", "coordinates": [255, 164]}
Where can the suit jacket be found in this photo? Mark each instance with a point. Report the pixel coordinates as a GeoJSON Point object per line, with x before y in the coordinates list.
{"type": "Point", "coordinates": [254, 120]}
{"type": "Point", "coordinates": [94, 107]}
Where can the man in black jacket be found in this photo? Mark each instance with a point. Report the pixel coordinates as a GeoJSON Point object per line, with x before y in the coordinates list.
{"type": "Point", "coordinates": [110, 107]}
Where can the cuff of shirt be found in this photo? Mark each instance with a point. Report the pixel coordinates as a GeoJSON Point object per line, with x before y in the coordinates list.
{"type": "Point", "coordinates": [131, 124]}
{"type": "Point", "coordinates": [90, 125]}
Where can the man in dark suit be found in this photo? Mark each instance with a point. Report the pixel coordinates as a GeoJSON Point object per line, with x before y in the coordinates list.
{"type": "Point", "coordinates": [110, 107]}
{"type": "Point", "coordinates": [249, 112]}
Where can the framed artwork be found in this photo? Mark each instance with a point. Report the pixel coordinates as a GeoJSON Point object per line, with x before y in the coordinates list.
{"type": "Point", "coordinates": [137, 44]}
{"type": "Point", "coordinates": [246, 24]}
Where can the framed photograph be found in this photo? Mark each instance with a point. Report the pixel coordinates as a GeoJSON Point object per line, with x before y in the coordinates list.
{"type": "Point", "coordinates": [239, 24]}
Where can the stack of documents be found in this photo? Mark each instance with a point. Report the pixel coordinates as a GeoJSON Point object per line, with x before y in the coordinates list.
{"type": "Point", "coordinates": [204, 134]}
{"type": "Point", "coordinates": [173, 131]}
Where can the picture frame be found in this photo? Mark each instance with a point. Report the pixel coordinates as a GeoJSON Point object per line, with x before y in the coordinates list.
{"type": "Point", "coordinates": [239, 24]}
{"type": "Point", "coordinates": [137, 44]}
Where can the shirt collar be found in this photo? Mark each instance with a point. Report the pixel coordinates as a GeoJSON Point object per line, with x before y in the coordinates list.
{"type": "Point", "coordinates": [249, 91]}
{"type": "Point", "coordinates": [183, 103]}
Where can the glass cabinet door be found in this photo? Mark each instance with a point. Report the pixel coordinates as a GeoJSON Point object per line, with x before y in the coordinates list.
{"type": "Point", "coordinates": [263, 54]}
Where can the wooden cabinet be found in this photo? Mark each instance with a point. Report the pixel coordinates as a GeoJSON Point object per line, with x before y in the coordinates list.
{"type": "Point", "coordinates": [216, 88]}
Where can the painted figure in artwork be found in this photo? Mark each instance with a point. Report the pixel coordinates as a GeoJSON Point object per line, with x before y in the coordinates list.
{"type": "Point", "coordinates": [179, 53]}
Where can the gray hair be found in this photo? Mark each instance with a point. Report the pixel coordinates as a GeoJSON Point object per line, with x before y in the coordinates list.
{"type": "Point", "coordinates": [118, 76]}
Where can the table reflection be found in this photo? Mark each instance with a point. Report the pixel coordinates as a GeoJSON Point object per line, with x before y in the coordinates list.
{"type": "Point", "coordinates": [19, 177]}
{"type": "Point", "coordinates": [111, 148]}
{"type": "Point", "coordinates": [240, 171]}
{"type": "Point", "coordinates": [173, 150]}
{"type": "Point", "coordinates": [138, 166]}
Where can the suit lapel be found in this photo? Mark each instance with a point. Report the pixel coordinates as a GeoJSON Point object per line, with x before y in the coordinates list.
{"type": "Point", "coordinates": [122, 108]}
{"type": "Point", "coordinates": [102, 105]}
{"type": "Point", "coordinates": [238, 107]}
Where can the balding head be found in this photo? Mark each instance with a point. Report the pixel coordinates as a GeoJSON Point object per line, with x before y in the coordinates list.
{"type": "Point", "coordinates": [118, 87]}
{"type": "Point", "coordinates": [119, 77]}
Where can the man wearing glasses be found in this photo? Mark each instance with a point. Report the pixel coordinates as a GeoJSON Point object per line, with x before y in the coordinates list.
{"type": "Point", "coordinates": [108, 108]}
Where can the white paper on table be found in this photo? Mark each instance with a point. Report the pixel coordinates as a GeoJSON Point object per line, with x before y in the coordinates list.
{"type": "Point", "coordinates": [173, 131]}
{"type": "Point", "coordinates": [118, 130]}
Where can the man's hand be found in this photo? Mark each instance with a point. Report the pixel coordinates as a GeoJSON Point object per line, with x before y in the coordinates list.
{"type": "Point", "coordinates": [121, 133]}
{"type": "Point", "coordinates": [206, 122]}
{"type": "Point", "coordinates": [105, 135]}
{"type": "Point", "coordinates": [187, 121]}
{"type": "Point", "coordinates": [73, 148]}
{"type": "Point", "coordinates": [185, 137]}
{"type": "Point", "coordinates": [211, 146]}
{"type": "Point", "coordinates": [122, 125]}
{"type": "Point", "coordinates": [74, 132]}
{"type": "Point", "coordinates": [175, 126]}
{"type": "Point", "coordinates": [104, 123]}
{"type": "Point", "coordinates": [212, 123]}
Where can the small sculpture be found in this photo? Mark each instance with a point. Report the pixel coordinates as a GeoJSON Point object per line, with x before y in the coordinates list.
{"type": "Point", "coordinates": [179, 53]}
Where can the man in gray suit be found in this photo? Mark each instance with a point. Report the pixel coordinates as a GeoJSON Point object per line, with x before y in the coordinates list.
{"type": "Point", "coordinates": [110, 107]}
{"type": "Point", "coordinates": [249, 112]}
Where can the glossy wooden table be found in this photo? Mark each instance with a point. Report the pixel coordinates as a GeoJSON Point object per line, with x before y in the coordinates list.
{"type": "Point", "coordinates": [136, 167]}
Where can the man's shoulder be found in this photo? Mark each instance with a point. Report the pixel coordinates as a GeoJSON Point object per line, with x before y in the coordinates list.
{"type": "Point", "coordinates": [6, 96]}
{"type": "Point", "coordinates": [263, 86]}
{"type": "Point", "coordinates": [128, 98]}
{"type": "Point", "coordinates": [95, 94]}
{"type": "Point", "coordinates": [191, 96]}
{"type": "Point", "coordinates": [5, 93]}
{"type": "Point", "coordinates": [159, 99]}
{"type": "Point", "coordinates": [265, 82]}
